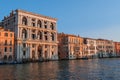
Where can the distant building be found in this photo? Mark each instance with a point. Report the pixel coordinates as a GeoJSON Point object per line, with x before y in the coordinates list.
{"type": "Point", "coordinates": [6, 45]}
{"type": "Point", "coordinates": [90, 47]}
{"type": "Point", "coordinates": [70, 46]}
{"type": "Point", "coordinates": [35, 35]}
{"type": "Point", "coordinates": [105, 48]}
{"type": "Point", "coordinates": [117, 48]}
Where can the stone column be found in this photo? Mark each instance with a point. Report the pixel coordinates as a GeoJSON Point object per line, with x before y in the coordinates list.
{"type": "Point", "coordinates": [36, 34]}
{"type": "Point", "coordinates": [26, 49]}
{"type": "Point", "coordinates": [43, 36]}
{"type": "Point", "coordinates": [49, 52]}
{"type": "Point", "coordinates": [36, 51]}
{"type": "Point", "coordinates": [18, 52]}
{"type": "Point", "coordinates": [56, 52]}
{"type": "Point", "coordinates": [49, 25]}
{"type": "Point", "coordinates": [21, 33]}
{"type": "Point", "coordinates": [43, 51]}
{"type": "Point", "coordinates": [55, 37]}
{"type": "Point", "coordinates": [29, 33]}
{"type": "Point", "coordinates": [18, 33]}
{"type": "Point", "coordinates": [49, 37]}
{"type": "Point", "coordinates": [19, 19]}
{"type": "Point", "coordinates": [30, 54]}
{"type": "Point", "coordinates": [42, 23]}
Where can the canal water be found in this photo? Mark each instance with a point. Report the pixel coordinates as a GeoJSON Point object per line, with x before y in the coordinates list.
{"type": "Point", "coordinates": [93, 69]}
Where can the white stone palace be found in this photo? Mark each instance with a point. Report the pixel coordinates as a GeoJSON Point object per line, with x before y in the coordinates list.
{"type": "Point", "coordinates": [35, 35]}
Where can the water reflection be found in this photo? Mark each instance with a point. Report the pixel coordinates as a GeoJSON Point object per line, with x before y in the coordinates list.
{"type": "Point", "coordinates": [103, 69]}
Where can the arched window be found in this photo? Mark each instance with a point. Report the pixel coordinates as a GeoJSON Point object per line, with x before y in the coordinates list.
{"type": "Point", "coordinates": [46, 36]}
{"type": "Point", "coordinates": [39, 24]}
{"type": "Point", "coordinates": [24, 21]}
{"type": "Point", "coordinates": [10, 58]}
{"type": "Point", "coordinates": [39, 51]}
{"type": "Point", "coordinates": [24, 34]}
{"type": "Point", "coordinates": [33, 22]}
{"type": "Point", "coordinates": [52, 36]}
{"type": "Point", "coordinates": [52, 26]}
{"type": "Point", "coordinates": [39, 35]}
{"type": "Point", "coordinates": [33, 54]}
{"type": "Point", "coordinates": [34, 34]}
{"type": "Point", "coordinates": [5, 57]}
{"type": "Point", "coordinates": [45, 24]}
{"type": "Point", "coordinates": [5, 42]}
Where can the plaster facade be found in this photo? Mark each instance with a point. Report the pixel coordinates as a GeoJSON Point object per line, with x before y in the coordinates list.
{"type": "Point", "coordinates": [6, 45]}
{"type": "Point", "coordinates": [35, 35]}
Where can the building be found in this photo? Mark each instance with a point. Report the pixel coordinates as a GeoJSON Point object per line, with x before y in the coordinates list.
{"type": "Point", "coordinates": [6, 45]}
{"type": "Point", "coordinates": [105, 48]}
{"type": "Point", "coordinates": [35, 35]}
{"type": "Point", "coordinates": [90, 47]}
{"type": "Point", "coordinates": [117, 48]}
{"type": "Point", "coordinates": [101, 48]}
{"type": "Point", "coordinates": [70, 46]}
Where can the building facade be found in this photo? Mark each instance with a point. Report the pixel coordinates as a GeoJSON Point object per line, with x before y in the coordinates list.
{"type": "Point", "coordinates": [90, 47]}
{"type": "Point", "coordinates": [70, 46]}
{"type": "Point", "coordinates": [35, 35]}
{"type": "Point", "coordinates": [117, 48]}
{"type": "Point", "coordinates": [105, 48]}
{"type": "Point", "coordinates": [6, 45]}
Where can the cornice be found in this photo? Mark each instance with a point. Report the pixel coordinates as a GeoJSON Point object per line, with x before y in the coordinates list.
{"type": "Point", "coordinates": [23, 11]}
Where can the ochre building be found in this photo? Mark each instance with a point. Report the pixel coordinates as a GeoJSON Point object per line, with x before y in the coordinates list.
{"type": "Point", "coordinates": [70, 46]}
{"type": "Point", "coordinates": [6, 45]}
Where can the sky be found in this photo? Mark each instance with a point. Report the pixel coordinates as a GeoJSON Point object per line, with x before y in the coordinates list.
{"type": "Point", "coordinates": [87, 18]}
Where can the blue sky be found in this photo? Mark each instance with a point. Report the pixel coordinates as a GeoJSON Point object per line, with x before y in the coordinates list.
{"type": "Point", "coordinates": [88, 18]}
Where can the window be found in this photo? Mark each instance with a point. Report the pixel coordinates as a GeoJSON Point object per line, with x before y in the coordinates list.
{"type": "Point", "coordinates": [33, 34]}
{"type": "Point", "coordinates": [11, 42]}
{"type": "Point", "coordinates": [39, 35]}
{"type": "Point", "coordinates": [24, 21]}
{"type": "Point", "coordinates": [8, 22]}
{"type": "Point", "coordinates": [6, 34]}
{"type": "Point", "coordinates": [10, 34]}
{"type": "Point", "coordinates": [24, 34]}
{"type": "Point", "coordinates": [24, 45]}
{"type": "Point", "coordinates": [52, 26]}
{"type": "Point", "coordinates": [33, 45]}
{"type": "Point", "coordinates": [52, 53]}
{"type": "Point", "coordinates": [33, 22]}
{"type": "Point", "coordinates": [46, 37]}
{"type": "Point", "coordinates": [14, 19]}
{"type": "Point", "coordinates": [5, 49]}
{"type": "Point", "coordinates": [5, 42]}
{"type": "Point", "coordinates": [45, 46]}
{"type": "Point", "coordinates": [10, 49]}
{"type": "Point", "coordinates": [0, 33]}
{"type": "Point", "coordinates": [45, 24]}
{"type": "Point", "coordinates": [52, 35]}
{"type": "Point", "coordinates": [39, 24]}
{"type": "Point", "coordinates": [24, 53]}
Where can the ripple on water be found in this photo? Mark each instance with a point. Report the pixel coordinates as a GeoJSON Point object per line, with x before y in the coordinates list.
{"type": "Point", "coordinates": [103, 69]}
